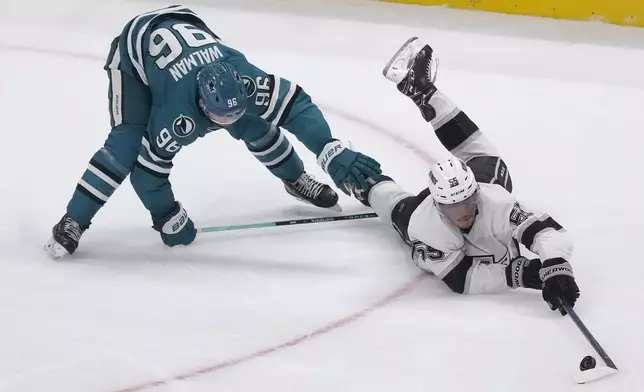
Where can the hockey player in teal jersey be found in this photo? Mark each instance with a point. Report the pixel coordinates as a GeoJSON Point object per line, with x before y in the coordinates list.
{"type": "Point", "coordinates": [173, 81]}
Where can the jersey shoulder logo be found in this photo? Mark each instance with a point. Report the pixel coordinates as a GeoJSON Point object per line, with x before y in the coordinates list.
{"type": "Point", "coordinates": [183, 126]}
{"type": "Point", "coordinates": [518, 216]}
{"type": "Point", "coordinates": [423, 252]}
{"type": "Point", "coordinates": [250, 85]}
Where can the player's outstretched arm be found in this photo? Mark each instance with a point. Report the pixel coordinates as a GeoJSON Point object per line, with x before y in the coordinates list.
{"type": "Point", "coordinates": [542, 235]}
{"type": "Point", "coordinates": [285, 104]}
{"type": "Point", "coordinates": [463, 274]}
{"type": "Point", "coordinates": [149, 179]}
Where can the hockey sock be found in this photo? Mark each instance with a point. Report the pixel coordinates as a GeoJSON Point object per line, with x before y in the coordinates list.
{"type": "Point", "coordinates": [101, 178]}
{"type": "Point", "coordinates": [276, 152]}
{"type": "Point", "coordinates": [452, 126]}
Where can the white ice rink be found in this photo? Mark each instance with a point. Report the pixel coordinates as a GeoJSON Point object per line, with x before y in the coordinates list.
{"type": "Point", "coordinates": [330, 306]}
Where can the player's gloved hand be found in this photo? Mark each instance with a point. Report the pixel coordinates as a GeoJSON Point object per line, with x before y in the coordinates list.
{"type": "Point", "coordinates": [175, 227]}
{"type": "Point", "coordinates": [523, 272]}
{"type": "Point", "coordinates": [558, 284]}
{"type": "Point", "coordinates": [348, 169]}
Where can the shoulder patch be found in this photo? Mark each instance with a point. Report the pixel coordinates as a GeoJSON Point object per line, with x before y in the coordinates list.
{"type": "Point", "coordinates": [518, 216]}
{"type": "Point", "coordinates": [424, 252]}
{"type": "Point", "coordinates": [183, 126]}
{"type": "Point", "coordinates": [250, 85]}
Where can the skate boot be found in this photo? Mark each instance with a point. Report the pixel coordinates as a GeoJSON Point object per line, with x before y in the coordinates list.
{"type": "Point", "coordinates": [65, 236]}
{"type": "Point", "coordinates": [414, 73]}
{"type": "Point", "coordinates": [306, 189]}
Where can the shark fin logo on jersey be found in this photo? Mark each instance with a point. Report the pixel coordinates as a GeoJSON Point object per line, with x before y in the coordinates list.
{"type": "Point", "coordinates": [183, 126]}
{"type": "Point", "coordinates": [250, 85]}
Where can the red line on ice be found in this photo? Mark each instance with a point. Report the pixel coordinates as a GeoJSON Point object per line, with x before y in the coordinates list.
{"type": "Point", "coordinates": [406, 288]}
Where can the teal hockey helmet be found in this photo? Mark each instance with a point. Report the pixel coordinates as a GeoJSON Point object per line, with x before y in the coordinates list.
{"type": "Point", "coordinates": [222, 94]}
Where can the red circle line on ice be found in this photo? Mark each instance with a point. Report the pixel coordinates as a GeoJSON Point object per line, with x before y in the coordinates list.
{"type": "Point", "coordinates": [326, 329]}
{"type": "Point", "coordinates": [396, 294]}
{"type": "Point", "coordinates": [393, 296]}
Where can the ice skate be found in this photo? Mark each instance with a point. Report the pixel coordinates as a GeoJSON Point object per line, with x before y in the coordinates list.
{"type": "Point", "coordinates": [65, 237]}
{"type": "Point", "coordinates": [308, 190]}
{"type": "Point", "coordinates": [414, 70]}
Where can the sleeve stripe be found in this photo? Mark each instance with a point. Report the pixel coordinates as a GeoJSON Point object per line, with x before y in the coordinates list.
{"type": "Point", "coordinates": [447, 270]}
{"type": "Point", "coordinates": [275, 93]}
{"type": "Point", "coordinates": [533, 226]}
{"type": "Point", "coordinates": [457, 278]}
{"type": "Point", "coordinates": [149, 171]}
{"type": "Point", "coordinates": [280, 158]}
{"type": "Point", "coordinates": [287, 112]}
{"type": "Point", "coordinates": [274, 146]}
{"type": "Point", "coordinates": [152, 155]}
{"type": "Point", "coordinates": [286, 103]}
{"type": "Point", "coordinates": [152, 166]}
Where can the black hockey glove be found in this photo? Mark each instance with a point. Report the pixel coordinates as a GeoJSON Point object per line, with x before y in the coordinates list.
{"type": "Point", "coordinates": [523, 272]}
{"type": "Point", "coordinates": [558, 284]}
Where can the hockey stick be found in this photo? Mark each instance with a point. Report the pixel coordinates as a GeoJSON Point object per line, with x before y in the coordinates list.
{"type": "Point", "coordinates": [595, 373]}
{"type": "Point", "coordinates": [287, 222]}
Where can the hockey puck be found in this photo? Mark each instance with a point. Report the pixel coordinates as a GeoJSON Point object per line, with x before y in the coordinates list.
{"type": "Point", "coordinates": [587, 363]}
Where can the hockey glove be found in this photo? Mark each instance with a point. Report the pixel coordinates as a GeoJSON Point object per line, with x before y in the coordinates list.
{"type": "Point", "coordinates": [175, 227]}
{"type": "Point", "coordinates": [558, 284]}
{"type": "Point", "coordinates": [348, 169]}
{"type": "Point", "coordinates": [523, 272]}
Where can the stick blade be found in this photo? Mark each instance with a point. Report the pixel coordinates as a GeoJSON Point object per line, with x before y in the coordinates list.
{"type": "Point", "coordinates": [586, 376]}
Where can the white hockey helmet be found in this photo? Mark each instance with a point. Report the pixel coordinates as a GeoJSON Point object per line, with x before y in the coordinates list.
{"type": "Point", "coordinates": [455, 191]}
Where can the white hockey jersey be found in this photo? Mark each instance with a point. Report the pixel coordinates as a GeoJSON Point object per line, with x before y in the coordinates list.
{"type": "Point", "coordinates": [472, 261]}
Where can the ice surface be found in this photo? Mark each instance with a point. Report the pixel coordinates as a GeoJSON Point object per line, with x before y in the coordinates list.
{"type": "Point", "coordinates": [325, 307]}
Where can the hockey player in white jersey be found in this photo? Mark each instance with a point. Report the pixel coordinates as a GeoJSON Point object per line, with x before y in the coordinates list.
{"type": "Point", "coordinates": [466, 227]}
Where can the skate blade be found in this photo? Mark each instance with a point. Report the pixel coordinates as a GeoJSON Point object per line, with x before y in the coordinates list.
{"type": "Point", "coordinates": [586, 376]}
{"type": "Point", "coordinates": [335, 207]}
{"type": "Point", "coordinates": [54, 250]}
{"type": "Point", "coordinates": [396, 57]}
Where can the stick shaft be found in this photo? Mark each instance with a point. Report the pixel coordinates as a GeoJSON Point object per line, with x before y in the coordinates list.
{"type": "Point", "coordinates": [589, 336]}
{"type": "Point", "coordinates": [287, 222]}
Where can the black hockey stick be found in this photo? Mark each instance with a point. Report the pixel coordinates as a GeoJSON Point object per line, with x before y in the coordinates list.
{"type": "Point", "coordinates": [288, 222]}
{"type": "Point", "coordinates": [594, 373]}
